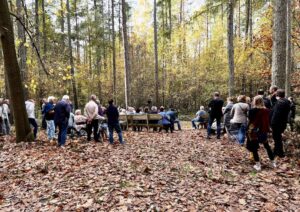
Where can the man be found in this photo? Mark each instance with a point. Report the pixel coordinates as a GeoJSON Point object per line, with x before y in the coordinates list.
{"type": "Point", "coordinates": [91, 112]}
{"type": "Point", "coordinates": [61, 116]}
{"type": "Point", "coordinates": [292, 114]}
{"type": "Point", "coordinates": [173, 118]}
{"type": "Point", "coordinates": [112, 114]}
{"type": "Point", "coordinates": [215, 113]}
{"type": "Point", "coordinates": [273, 99]}
{"type": "Point", "coordinates": [48, 111]}
{"type": "Point", "coordinates": [267, 101]}
{"type": "Point", "coordinates": [30, 104]}
{"type": "Point", "coordinates": [200, 117]}
{"type": "Point", "coordinates": [279, 121]}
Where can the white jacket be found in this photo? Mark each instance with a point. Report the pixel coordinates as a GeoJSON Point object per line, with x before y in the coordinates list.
{"type": "Point", "coordinates": [30, 109]}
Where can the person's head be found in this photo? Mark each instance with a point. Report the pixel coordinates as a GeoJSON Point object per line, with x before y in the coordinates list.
{"type": "Point", "coordinates": [51, 99]}
{"type": "Point", "coordinates": [230, 99]}
{"type": "Point", "coordinates": [273, 89]}
{"type": "Point", "coordinates": [98, 102]}
{"type": "Point", "coordinates": [291, 99]}
{"type": "Point", "coordinates": [44, 100]}
{"type": "Point", "coordinates": [261, 92]}
{"type": "Point", "coordinates": [242, 98]}
{"type": "Point", "coordinates": [216, 95]}
{"type": "Point", "coordinates": [6, 101]}
{"type": "Point", "coordinates": [146, 109]}
{"type": "Point", "coordinates": [138, 110]}
{"type": "Point", "coordinates": [201, 107]}
{"type": "Point", "coordinates": [111, 102]}
{"type": "Point", "coordinates": [78, 112]}
{"type": "Point", "coordinates": [66, 98]}
{"type": "Point", "coordinates": [248, 100]}
{"type": "Point", "coordinates": [161, 109]}
{"type": "Point", "coordinates": [93, 97]}
{"type": "Point", "coordinates": [154, 109]}
{"type": "Point", "coordinates": [258, 102]}
{"type": "Point", "coordinates": [280, 93]}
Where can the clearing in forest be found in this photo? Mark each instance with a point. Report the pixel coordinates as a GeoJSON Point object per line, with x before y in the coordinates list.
{"type": "Point", "coordinates": [153, 171]}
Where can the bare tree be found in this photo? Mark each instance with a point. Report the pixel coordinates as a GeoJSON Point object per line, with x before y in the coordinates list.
{"type": "Point", "coordinates": [230, 47]}
{"type": "Point", "coordinates": [288, 50]}
{"type": "Point", "coordinates": [156, 54]}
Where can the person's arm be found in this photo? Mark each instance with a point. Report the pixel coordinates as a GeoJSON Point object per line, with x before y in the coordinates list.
{"type": "Point", "coordinates": [232, 111]}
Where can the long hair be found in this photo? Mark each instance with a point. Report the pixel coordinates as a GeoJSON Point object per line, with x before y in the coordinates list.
{"type": "Point", "coordinates": [258, 102]}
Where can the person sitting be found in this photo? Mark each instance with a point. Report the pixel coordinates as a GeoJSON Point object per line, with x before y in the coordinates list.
{"type": "Point", "coordinates": [201, 117]}
{"type": "Point", "coordinates": [165, 121]}
{"type": "Point", "coordinates": [80, 121]}
{"type": "Point", "coordinates": [154, 110]}
{"type": "Point", "coordinates": [173, 114]}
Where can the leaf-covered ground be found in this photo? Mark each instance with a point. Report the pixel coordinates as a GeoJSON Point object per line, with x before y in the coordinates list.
{"type": "Point", "coordinates": [152, 172]}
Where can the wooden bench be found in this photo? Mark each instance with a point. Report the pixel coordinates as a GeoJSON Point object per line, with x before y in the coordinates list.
{"type": "Point", "coordinates": [140, 120]}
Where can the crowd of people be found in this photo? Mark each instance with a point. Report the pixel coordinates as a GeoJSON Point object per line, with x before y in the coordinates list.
{"type": "Point", "coordinates": [252, 120]}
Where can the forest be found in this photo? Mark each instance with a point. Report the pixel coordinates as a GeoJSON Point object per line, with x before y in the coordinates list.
{"type": "Point", "coordinates": [170, 52]}
{"type": "Point", "coordinates": [74, 72]}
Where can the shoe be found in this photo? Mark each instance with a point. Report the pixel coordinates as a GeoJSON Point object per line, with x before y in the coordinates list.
{"type": "Point", "coordinates": [208, 137]}
{"type": "Point", "coordinates": [218, 137]}
{"type": "Point", "coordinates": [257, 166]}
{"type": "Point", "coordinates": [273, 164]}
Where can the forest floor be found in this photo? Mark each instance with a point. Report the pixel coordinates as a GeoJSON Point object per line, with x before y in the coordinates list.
{"type": "Point", "coordinates": [153, 172]}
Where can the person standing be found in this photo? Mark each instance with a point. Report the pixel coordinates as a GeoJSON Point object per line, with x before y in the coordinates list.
{"type": "Point", "coordinates": [215, 113]}
{"type": "Point", "coordinates": [258, 129]}
{"type": "Point", "coordinates": [91, 112]}
{"type": "Point", "coordinates": [62, 112]}
{"type": "Point", "coordinates": [30, 105]}
{"type": "Point", "coordinates": [1, 118]}
{"type": "Point", "coordinates": [279, 121]}
{"type": "Point", "coordinates": [228, 116]}
{"type": "Point", "coordinates": [267, 102]}
{"type": "Point", "coordinates": [112, 114]}
{"type": "Point", "coordinates": [5, 117]}
{"type": "Point", "coordinates": [239, 113]}
{"type": "Point", "coordinates": [49, 117]}
{"type": "Point", "coordinates": [292, 114]}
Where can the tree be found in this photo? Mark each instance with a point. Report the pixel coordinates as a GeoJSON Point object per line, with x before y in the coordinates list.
{"type": "Point", "coordinates": [12, 72]}
{"type": "Point", "coordinates": [73, 82]}
{"type": "Point", "coordinates": [279, 44]}
{"type": "Point", "coordinates": [114, 50]}
{"type": "Point", "coordinates": [288, 50]}
{"type": "Point", "coordinates": [22, 52]}
{"type": "Point", "coordinates": [230, 47]}
{"type": "Point", "coordinates": [156, 53]}
{"type": "Point", "coordinates": [126, 54]}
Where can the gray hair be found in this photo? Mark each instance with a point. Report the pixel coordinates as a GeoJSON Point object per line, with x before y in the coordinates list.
{"type": "Point", "coordinates": [66, 98]}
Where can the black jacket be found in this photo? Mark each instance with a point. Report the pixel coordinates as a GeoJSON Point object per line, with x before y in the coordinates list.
{"type": "Point", "coordinates": [281, 112]}
{"type": "Point", "coordinates": [216, 106]}
{"type": "Point", "coordinates": [112, 114]}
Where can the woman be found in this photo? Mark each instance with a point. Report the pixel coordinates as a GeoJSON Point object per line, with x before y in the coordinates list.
{"type": "Point", "coordinates": [49, 117]}
{"type": "Point", "coordinates": [239, 121]}
{"type": "Point", "coordinates": [227, 116]}
{"type": "Point", "coordinates": [258, 128]}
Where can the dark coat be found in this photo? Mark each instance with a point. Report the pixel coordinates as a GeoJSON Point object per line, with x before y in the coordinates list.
{"type": "Point", "coordinates": [62, 112]}
{"type": "Point", "coordinates": [280, 113]}
{"type": "Point", "coordinates": [216, 106]}
{"type": "Point", "coordinates": [112, 114]}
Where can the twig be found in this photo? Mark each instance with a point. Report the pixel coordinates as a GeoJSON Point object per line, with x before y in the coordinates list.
{"type": "Point", "coordinates": [32, 42]}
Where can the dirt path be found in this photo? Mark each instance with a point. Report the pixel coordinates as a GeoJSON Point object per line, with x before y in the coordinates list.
{"type": "Point", "coordinates": [153, 171]}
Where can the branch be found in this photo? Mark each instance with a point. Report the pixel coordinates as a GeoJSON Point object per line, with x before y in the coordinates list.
{"type": "Point", "coordinates": [32, 42]}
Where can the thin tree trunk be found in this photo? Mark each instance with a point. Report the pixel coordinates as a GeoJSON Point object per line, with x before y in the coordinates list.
{"type": "Point", "coordinates": [156, 54]}
{"type": "Point", "coordinates": [170, 19]}
{"type": "Point", "coordinates": [22, 51]}
{"type": "Point", "coordinates": [37, 25]}
{"type": "Point", "coordinates": [44, 28]}
{"type": "Point", "coordinates": [114, 51]}
{"type": "Point", "coordinates": [73, 81]}
{"type": "Point", "coordinates": [279, 44]}
{"type": "Point", "coordinates": [288, 50]}
{"type": "Point", "coordinates": [77, 33]}
{"type": "Point", "coordinates": [12, 72]}
{"type": "Point", "coordinates": [230, 47]}
{"type": "Point", "coordinates": [62, 24]}
{"type": "Point", "coordinates": [126, 54]}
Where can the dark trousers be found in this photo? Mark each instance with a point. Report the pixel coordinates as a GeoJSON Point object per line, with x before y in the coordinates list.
{"type": "Point", "coordinates": [35, 126]}
{"type": "Point", "coordinates": [277, 137]}
{"type": "Point", "coordinates": [62, 134]}
{"type": "Point", "coordinates": [93, 126]}
{"type": "Point", "coordinates": [166, 127]}
{"type": "Point", "coordinates": [269, 151]}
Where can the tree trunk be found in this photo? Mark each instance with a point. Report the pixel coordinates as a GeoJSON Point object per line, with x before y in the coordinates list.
{"type": "Point", "coordinates": [12, 72]}
{"type": "Point", "coordinates": [62, 24]}
{"type": "Point", "coordinates": [126, 54]}
{"type": "Point", "coordinates": [288, 50]}
{"type": "Point", "coordinates": [279, 44]}
{"type": "Point", "coordinates": [230, 47]}
{"type": "Point", "coordinates": [73, 81]}
{"type": "Point", "coordinates": [77, 33]}
{"type": "Point", "coordinates": [156, 54]}
{"type": "Point", "coordinates": [22, 51]}
{"type": "Point", "coordinates": [37, 25]}
{"type": "Point", "coordinates": [44, 29]}
{"type": "Point", "coordinates": [170, 19]}
{"type": "Point", "coordinates": [114, 51]}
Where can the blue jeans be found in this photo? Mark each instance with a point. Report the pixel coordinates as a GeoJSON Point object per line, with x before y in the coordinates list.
{"type": "Point", "coordinates": [111, 128]}
{"type": "Point", "coordinates": [242, 133]}
{"type": "Point", "coordinates": [35, 126]}
{"type": "Point", "coordinates": [62, 134]}
{"type": "Point", "coordinates": [194, 123]}
{"type": "Point", "coordinates": [210, 122]}
{"type": "Point", "coordinates": [50, 129]}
